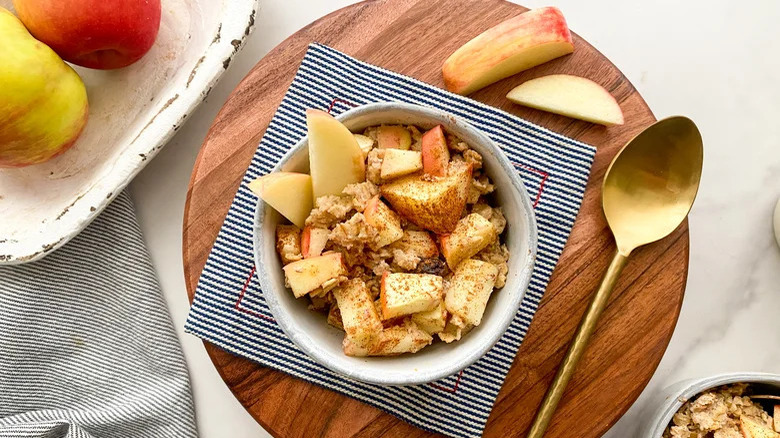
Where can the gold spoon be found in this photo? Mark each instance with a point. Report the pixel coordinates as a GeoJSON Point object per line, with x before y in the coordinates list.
{"type": "Point", "coordinates": [648, 191]}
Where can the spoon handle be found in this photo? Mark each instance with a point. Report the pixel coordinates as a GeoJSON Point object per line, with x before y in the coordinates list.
{"type": "Point", "coordinates": [577, 347]}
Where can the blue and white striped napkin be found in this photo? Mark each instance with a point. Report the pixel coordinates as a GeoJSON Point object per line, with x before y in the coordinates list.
{"type": "Point", "coordinates": [229, 309]}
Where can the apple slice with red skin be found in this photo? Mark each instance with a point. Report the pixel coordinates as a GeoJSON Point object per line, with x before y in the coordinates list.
{"type": "Point", "coordinates": [514, 45]}
{"type": "Point", "coordinates": [313, 241]}
{"type": "Point", "coordinates": [435, 154]}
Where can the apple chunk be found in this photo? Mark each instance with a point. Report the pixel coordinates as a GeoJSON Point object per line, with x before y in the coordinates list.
{"type": "Point", "coordinates": [384, 220]}
{"type": "Point", "coordinates": [432, 321]}
{"type": "Point", "coordinates": [418, 242]}
{"type": "Point", "coordinates": [469, 290]}
{"type": "Point", "coordinates": [510, 47]}
{"type": "Point", "coordinates": [393, 137]}
{"type": "Point", "coordinates": [307, 275]}
{"type": "Point", "coordinates": [435, 154]}
{"type": "Point", "coordinates": [571, 96]}
{"type": "Point", "coordinates": [395, 340]}
{"type": "Point", "coordinates": [365, 143]}
{"type": "Point", "coordinates": [472, 234]}
{"type": "Point", "coordinates": [751, 428]}
{"type": "Point", "coordinates": [288, 193]}
{"type": "Point", "coordinates": [358, 314]}
{"type": "Point", "coordinates": [403, 294]}
{"type": "Point", "coordinates": [335, 158]}
{"type": "Point", "coordinates": [435, 205]}
{"type": "Point", "coordinates": [398, 162]}
{"type": "Point", "coordinates": [313, 241]}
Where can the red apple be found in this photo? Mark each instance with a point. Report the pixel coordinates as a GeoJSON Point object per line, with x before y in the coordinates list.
{"type": "Point", "coordinates": [435, 155]}
{"type": "Point", "coordinates": [102, 34]}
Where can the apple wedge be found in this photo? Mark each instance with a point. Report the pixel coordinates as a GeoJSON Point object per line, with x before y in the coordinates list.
{"type": "Point", "coordinates": [435, 205]}
{"type": "Point", "coordinates": [510, 47]}
{"type": "Point", "coordinates": [307, 275]}
{"type": "Point", "coordinates": [571, 96]}
{"type": "Point", "coordinates": [384, 220]}
{"type": "Point", "coordinates": [751, 428]}
{"type": "Point", "coordinates": [469, 290]}
{"type": "Point", "coordinates": [403, 294]}
{"type": "Point", "coordinates": [776, 418]}
{"type": "Point", "coordinates": [313, 241]}
{"type": "Point", "coordinates": [472, 234]}
{"type": "Point", "coordinates": [335, 158]}
{"type": "Point", "coordinates": [393, 137]}
{"type": "Point", "coordinates": [435, 154]}
{"type": "Point", "coordinates": [289, 193]}
{"type": "Point", "coordinates": [398, 163]}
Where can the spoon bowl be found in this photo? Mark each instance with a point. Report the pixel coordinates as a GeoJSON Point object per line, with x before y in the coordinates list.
{"type": "Point", "coordinates": [651, 184]}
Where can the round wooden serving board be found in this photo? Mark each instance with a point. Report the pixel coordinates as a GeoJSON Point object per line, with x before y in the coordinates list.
{"type": "Point", "coordinates": [414, 37]}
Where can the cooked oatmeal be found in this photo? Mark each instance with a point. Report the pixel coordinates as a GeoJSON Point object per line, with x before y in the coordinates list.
{"type": "Point", "coordinates": [386, 238]}
{"type": "Point", "coordinates": [717, 413]}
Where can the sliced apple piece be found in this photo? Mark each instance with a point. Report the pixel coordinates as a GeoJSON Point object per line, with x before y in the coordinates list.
{"type": "Point", "coordinates": [288, 243]}
{"type": "Point", "coordinates": [307, 275]}
{"type": "Point", "coordinates": [335, 158]}
{"type": "Point", "coordinates": [398, 339]}
{"type": "Point", "coordinates": [469, 290]}
{"type": "Point", "coordinates": [510, 47]}
{"type": "Point", "coordinates": [452, 332]}
{"type": "Point", "coordinates": [570, 96]}
{"type": "Point", "coordinates": [472, 234]}
{"type": "Point", "coordinates": [289, 193]}
{"type": "Point", "coordinates": [435, 153]}
{"type": "Point", "coordinates": [313, 241]}
{"type": "Point", "coordinates": [403, 294]}
{"type": "Point", "coordinates": [358, 314]}
{"type": "Point", "coordinates": [365, 143]}
{"type": "Point", "coordinates": [752, 428]}
{"type": "Point", "coordinates": [384, 220]}
{"type": "Point", "coordinates": [776, 418]}
{"type": "Point", "coordinates": [417, 242]}
{"type": "Point", "coordinates": [432, 321]}
{"type": "Point", "coordinates": [398, 162]}
{"type": "Point", "coordinates": [434, 205]}
{"type": "Point", "coordinates": [393, 137]}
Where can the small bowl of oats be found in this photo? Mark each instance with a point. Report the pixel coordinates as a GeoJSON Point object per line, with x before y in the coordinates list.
{"type": "Point", "coordinates": [394, 243]}
{"type": "Point", "coordinates": [735, 405]}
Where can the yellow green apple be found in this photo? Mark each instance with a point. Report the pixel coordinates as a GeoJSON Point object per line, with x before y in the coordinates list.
{"type": "Point", "coordinates": [43, 102]}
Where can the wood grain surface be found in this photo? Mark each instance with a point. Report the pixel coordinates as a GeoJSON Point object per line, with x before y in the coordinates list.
{"type": "Point", "coordinates": [414, 37]}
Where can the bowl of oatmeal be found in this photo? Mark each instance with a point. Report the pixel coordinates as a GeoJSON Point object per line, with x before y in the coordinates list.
{"type": "Point", "coordinates": [416, 265]}
{"type": "Point", "coordinates": [734, 405]}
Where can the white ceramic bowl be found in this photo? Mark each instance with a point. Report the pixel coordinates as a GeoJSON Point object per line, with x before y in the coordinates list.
{"type": "Point", "coordinates": [667, 402]}
{"type": "Point", "coordinates": [310, 331]}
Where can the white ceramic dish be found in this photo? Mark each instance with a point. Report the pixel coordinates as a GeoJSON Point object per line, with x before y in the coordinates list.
{"type": "Point", "coordinates": [322, 342]}
{"type": "Point", "coordinates": [133, 112]}
{"type": "Point", "coordinates": [666, 403]}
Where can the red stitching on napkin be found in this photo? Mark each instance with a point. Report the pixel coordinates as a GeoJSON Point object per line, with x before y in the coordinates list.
{"type": "Point", "coordinates": [452, 390]}
{"type": "Point", "coordinates": [544, 175]}
{"type": "Point", "coordinates": [241, 297]}
{"type": "Point", "coordinates": [334, 101]}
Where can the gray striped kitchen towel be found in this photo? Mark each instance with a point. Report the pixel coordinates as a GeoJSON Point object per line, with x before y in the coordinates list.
{"type": "Point", "coordinates": [87, 348]}
{"type": "Point", "coordinates": [229, 309]}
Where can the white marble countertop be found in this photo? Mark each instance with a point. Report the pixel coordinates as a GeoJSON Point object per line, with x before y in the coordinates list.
{"type": "Point", "coordinates": [712, 60]}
